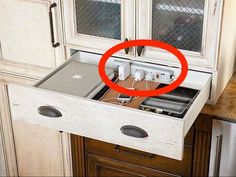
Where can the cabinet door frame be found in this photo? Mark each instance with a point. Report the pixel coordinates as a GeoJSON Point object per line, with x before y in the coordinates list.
{"type": "Point", "coordinates": [211, 34]}
{"type": "Point", "coordinates": [94, 43]}
{"type": "Point", "coordinates": [58, 53]}
{"type": "Point", "coordinates": [7, 133]}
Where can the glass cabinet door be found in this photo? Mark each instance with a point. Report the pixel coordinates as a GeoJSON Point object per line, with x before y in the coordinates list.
{"type": "Point", "coordinates": [99, 18]}
{"type": "Point", "coordinates": [99, 24]}
{"type": "Point", "coordinates": [179, 23]}
{"type": "Point", "coordinates": [185, 24]}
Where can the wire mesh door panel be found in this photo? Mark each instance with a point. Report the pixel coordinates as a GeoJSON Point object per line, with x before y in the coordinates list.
{"type": "Point", "coordinates": [179, 23]}
{"type": "Point", "coordinates": [101, 18]}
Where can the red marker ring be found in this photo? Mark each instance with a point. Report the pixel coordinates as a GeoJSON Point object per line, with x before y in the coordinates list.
{"type": "Point", "coordinates": [143, 93]}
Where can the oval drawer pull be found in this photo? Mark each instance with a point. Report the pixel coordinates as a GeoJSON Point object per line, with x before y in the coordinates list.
{"type": "Point", "coordinates": [49, 111]}
{"type": "Point", "coordinates": [133, 131]}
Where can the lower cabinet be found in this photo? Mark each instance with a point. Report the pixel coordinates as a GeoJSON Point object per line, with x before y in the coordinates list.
{"type": "Point", "coordinates": [29, 150]}
{"type": "Point", "coordinates": [38, 150]}
{"type": "Point", "coordinates": [106, 167]}
{"type": "Point", "coordinates": [93, 158]}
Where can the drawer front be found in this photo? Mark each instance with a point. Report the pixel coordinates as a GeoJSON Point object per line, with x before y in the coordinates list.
{"type": "Point", "coordinates": [107, 167]}
{"type": "Point", "coordinates": [182, 168]}
{"type": "Point", "coordinates": [159, 135]}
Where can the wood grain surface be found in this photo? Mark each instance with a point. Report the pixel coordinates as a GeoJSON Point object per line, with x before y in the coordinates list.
{"type": "Point", "coordinates": [111, 95]}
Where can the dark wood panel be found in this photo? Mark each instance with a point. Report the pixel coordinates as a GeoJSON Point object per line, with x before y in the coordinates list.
{"type": "Point", "coordinates": [188, 140]}
{"type": "Point", "coordinates": [78, 158]}
{"type": "Point", "coordinates": [202, 145]}
{"type": "Point", "coordinates": [182, 168]}
{"type": "Point", "coordinates": [106, 167]}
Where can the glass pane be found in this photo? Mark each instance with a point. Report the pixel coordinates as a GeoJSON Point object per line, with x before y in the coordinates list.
{"type": "Point", "coordinates": [179, 23]}
{"type": "Point", "coordinates": [99, 18]}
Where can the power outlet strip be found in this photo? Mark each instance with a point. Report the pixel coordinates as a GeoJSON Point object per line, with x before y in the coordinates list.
{"type": "Point", "coordinates": [152, 73]}
{"type": "Point", "coordinates": [156, 74]}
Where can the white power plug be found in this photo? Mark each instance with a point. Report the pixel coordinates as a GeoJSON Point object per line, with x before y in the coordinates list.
{"type": "Point", "coordinates": [124, 71]}
{"type": "Point", "coordinates": [139, 75]}
{"type": "Point", "coordinates": [149, 76]}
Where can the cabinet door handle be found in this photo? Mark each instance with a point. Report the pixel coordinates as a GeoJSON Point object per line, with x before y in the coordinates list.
{"type": "Point", "coordinates": [218, 155]}
{"type": "Point", "coordinates": [140, 50]}
{"type": "Point", "coordinates": [53, 5]}
{"type": "Point", "coordinates": [126, 49]}
{"type": "Point", "coordinates": [49, 111]}
{"type": "Point", "coordinates": [215, 7]}
{"type": "Point", "coordinates": [133, 131]}
{"type": "Point", "coordinates": [144, 155]}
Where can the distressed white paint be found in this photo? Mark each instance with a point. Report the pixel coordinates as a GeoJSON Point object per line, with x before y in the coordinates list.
{"type": "Point", "coordinates": [218, 52]}
{"type": "Point", "coordinates": [25, 33]}
{"type": "Point", "coordinates": [14, 63]}
{"type": "Point", "coordinates": [89, 118]}
{"type": "Point", "coordinates": [7, 134]}
{"type": "Point", "coordinates": [45, 151]}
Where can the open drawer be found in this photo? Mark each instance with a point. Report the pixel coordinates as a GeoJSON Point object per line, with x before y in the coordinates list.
{"type": "Point", "coordinates": [147, 131]}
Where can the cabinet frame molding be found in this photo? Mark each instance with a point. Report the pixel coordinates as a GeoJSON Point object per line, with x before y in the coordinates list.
{"type": "Point", "coordinates": [7, 133]}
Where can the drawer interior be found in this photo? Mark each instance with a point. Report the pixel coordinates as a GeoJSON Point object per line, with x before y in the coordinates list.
{"type": "Point", "coordinates": [66, 80]}
{"type": "Point", "coordinates": [175, 103]}
{"type": "Point", "coordinates": [111, 96]}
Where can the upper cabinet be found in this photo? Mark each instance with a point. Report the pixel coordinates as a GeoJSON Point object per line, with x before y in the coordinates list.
{"type": "Point", "coordinates": [193, 26]}
{"type": "Point", "coordinates": [27, 32]}
{"type": "Point", "coordinates": [97, 25]}
{"type": "Point", "coordinates": [190, 25]}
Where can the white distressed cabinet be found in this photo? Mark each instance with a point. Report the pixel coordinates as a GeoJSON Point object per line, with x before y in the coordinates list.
{"type": "Point", "coordinates": [25, 37]}
{"type": "Point", "coordinates": [86, 117]}
{"type": "Point", "coordinates": [30, 150]}
{"type": "Point", "coordinates": [201, 29]}
{"type": "Point", "coordinates": [26, 52]}
{"type": "Point", "coordinates": [95, 26]}
{"type": "Point", "coordinates": [193, 26]}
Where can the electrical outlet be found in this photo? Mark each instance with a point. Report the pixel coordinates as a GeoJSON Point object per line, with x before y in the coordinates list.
{"type": "Point", "coordinates": [156, 74]}
{"type": "Point", "coordinates": [149, 76]}
{"type": "Point", "coordinates": [151, 73]}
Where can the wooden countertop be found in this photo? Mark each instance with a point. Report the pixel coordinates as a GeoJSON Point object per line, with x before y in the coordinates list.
{"type": "Point", "coordinates": [225, 108]}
